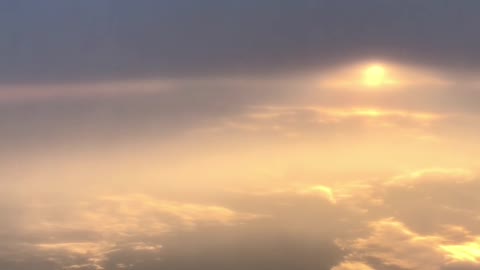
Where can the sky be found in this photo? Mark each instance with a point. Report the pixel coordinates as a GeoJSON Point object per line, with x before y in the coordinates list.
{"type": "Point", "coordinates": [223, 134]}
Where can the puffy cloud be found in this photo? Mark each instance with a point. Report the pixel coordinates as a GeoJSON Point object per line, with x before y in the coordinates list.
{"type": "Point", "coordinates": [413, 221]}
{"type": "Point", "coordinates": [432, 223]}
{"type": "Point", "coordinates": [392, 244]}
{"type": "Point", "coordinates": [123, 229]}
{"type": "Point", "coordinates": [108, 224]}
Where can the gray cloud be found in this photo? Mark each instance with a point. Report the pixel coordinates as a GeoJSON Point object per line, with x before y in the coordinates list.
{"type": "Point", "coordinates": [92, 40]}
{"type": "Point", "coordinates": [183, 106]}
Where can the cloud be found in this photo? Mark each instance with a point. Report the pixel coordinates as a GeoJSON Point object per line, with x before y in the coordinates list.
{"type": "Point", "coordinates": [29, 93]}
{"type": "Point", "coordinates": [321, 192]}
{"type": "Point", "coordinates": [139, 206]}
{"type": "Point", "coordinates": [98, 39]}
{"type": "Point", "coordinates": [386, 77]}
{"type": "Point", "coordinates": [392, 244]}
{"type": "Point", "coordinates": [88, 113]}
{"type": "Point", "coordinates": [304, 121]}
{"type": "Point", "coordinates": [427, 227]}
{"type": "Point", "coordinates": [301, 225]}
{"type": "Point", "coordinates": [465, 252]}
{"type": "Point", "coordinates": [352, 266]}
{"type": "Point", "coordinates": [412, 223]}
{"type": "Point", "coordinates": [91, 230]}
{"type": "Point", "coordinates": [425, 176]}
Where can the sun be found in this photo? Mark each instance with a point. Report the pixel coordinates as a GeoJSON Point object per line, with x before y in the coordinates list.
{"type": "Point", "coordinates": [374, 75]}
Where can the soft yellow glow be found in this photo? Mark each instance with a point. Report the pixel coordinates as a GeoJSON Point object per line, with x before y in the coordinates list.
{"type": "Point", "coordinates": [469, 252]}
{"type": "Point", "coordinates": [374, 76]}
{"type": "Point", "coordinates": [321, 190]}
{"type": "Point", "coordinates": [385, 76]}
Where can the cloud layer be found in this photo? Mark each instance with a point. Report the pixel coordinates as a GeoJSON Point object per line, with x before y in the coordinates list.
{"type": "Point", "coordinates": [92, 40]}
{"type": "Point", "coordinates": [326, 135]}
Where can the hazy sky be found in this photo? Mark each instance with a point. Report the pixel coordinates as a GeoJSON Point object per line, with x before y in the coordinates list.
{"type": "Point", "coordinates": [222, 134]}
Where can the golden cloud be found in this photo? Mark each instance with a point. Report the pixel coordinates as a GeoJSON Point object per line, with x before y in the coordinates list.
{"type": "Point", "coordinates": [117, 222]}
{"type": "Point", "coordinates": [352, 266]}
{"type": "Point", "coordinates": [451, 175]}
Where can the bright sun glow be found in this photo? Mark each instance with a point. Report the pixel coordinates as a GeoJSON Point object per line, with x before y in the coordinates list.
{"type": "Point", "coordinates": [374, 76]}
